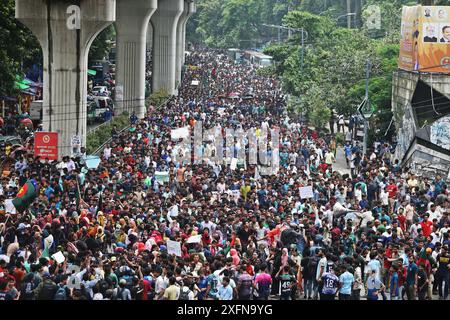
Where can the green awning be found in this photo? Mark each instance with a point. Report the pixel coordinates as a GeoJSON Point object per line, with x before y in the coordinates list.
{"type": "Point", "coordinates": [23, 81]}
{"type": "Point", "coordinates": [92, 72]}
{"type": "Point", "coordinates": [21, 86]}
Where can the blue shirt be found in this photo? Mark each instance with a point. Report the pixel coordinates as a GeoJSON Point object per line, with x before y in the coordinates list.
{"type": "Point", "coordinates": [330, 283]}
{"type": "Point", "coordinates": [394, 285]}
{"type": "Point", "coordinates": [225, 293]}
{"type": "Point", "coordinates": [346, 279]}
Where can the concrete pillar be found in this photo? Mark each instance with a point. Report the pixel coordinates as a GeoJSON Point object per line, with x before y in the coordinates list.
{"type": "Point", "coordinates": [164, 22]}
{"type": "Point", "coordinates": [65, 52]}
{"type": "Point", "coordinates": [133, 18]}
{"type": "Point", "coordinates": [149, 36]}
{"type": "Point", "coordinates": [189, 10]}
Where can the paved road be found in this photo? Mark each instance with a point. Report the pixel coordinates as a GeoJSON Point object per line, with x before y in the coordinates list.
{"type": "Point", "coordinates": [341, 164]}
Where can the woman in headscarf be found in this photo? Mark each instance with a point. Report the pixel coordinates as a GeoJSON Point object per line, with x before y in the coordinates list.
{"type": "Point", "coordinates": [235, 256]}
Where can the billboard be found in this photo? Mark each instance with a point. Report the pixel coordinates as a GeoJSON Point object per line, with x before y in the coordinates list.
{"type": "Point", "coordinates": [425, 39]}
{"type": "Point", "coordinates": [46, 145]}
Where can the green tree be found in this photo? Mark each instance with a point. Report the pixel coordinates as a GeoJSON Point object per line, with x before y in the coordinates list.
{"type": "Point", "coordinates": [19, 49]}
{"type": "Point", "coordinates": [102, 44]}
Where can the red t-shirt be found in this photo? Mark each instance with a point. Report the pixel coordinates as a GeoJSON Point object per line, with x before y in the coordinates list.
{"type": "Point", "coordinates": [323, 167]}
{"type": "Point", "coordinates": [392, 190]}
{"type": "Point", "coordinates": [388, 255]}
{"type": "Point", "coordinates": [402, 220]}
{"type": "Point", "coordinates": [426, 228]}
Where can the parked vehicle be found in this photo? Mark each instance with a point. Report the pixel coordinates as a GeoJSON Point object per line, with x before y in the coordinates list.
{"type": "Point", "coordinates": [100, 91]}
{"type": "Point", "coordinates": [99, 108]}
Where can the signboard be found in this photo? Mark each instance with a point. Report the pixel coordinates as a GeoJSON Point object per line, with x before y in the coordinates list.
{"type": "Point", "coordinates": [174, 247]}
{"type": "Point", "coordinates": [46, 145]}
{"type": "Point", "coordinates": [425, 39]}
{"type": "Point", "coordinates": [306, 192]}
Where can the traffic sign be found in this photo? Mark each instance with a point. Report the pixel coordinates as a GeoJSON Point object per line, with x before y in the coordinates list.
{"type": "Point", "coordinates": [366, 109]}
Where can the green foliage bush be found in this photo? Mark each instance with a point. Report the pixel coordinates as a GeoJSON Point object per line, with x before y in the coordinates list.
{"type": "Point", "coordinates": [97, 138]}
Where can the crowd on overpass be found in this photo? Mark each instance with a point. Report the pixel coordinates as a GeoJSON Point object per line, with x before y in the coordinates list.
{"type": "Point", "coordinates": [146, 225]}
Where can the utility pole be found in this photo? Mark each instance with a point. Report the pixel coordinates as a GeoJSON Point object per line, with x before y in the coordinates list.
{"type": "Point", "coordinates": [366, 121]}
{"type": "Point", "coordinates": [304, 37]}
{"type": "Point", "coordinates": [349, 10]}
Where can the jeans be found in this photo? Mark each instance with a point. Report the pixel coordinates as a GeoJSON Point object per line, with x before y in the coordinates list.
{"type": "Point", "coordinates": [443, 279]}
{"type": "Point", "coordinates": [344, 296]}
{"type": "Point", "coordinates": [423, 293]}
{"type": "Point", "coordinates": [315, 289]}
{"type": "Point", "coordinates": [410, 291]}
{"type": "Point", "coordinates": [356, 294]}
{"type": "Point", "coordinates": [327, 296]}
{"type": "Point", "coordinates": [309, 288]}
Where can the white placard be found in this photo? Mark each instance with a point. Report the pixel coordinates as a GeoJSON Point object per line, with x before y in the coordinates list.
{"type": "Point", "coordinates": [59, 257]}
{"type": "Point", "coordinates": [9, 207]}
{"type": "Point", "coordinates": [306, 192]}
{"type": "Point", "coordinates": [162, 176]}
{"type": "Point", "coordinates": [233, 164]}
{"type": "Point", "coordinates": [195, 82]}
{"type": "Point", "coordinates": [174, 247]}
{"type": "Point", "coordinates": [179, 133]}
{"type": "Point", "coordinates": [194, 239]}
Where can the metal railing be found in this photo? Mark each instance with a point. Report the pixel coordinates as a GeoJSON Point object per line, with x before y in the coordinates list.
{"type": "Point", "coordinates": [101, 125]}
{"type": "Point", "coordinates": [99, 149]}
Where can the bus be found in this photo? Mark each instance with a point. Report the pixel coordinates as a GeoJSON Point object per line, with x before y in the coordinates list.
{"type": "Point", "coordinates": [258, 58]}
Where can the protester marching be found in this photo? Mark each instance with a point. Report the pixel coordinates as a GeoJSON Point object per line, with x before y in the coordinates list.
{"type": "Point", "coordinates": [160, 219]}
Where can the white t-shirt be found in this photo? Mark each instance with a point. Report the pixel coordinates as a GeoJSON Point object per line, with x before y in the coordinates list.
{"type": "Point", "coordinates": [322, 263]}
{"type": "Point", "coordinates": [384, 197]}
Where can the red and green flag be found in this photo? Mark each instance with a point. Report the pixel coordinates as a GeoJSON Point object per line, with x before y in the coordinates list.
{"type": "Point", "coordinates": [26, 195]}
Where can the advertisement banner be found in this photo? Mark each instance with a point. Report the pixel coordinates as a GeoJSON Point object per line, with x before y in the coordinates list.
{"type": "Point", "coordinates": [409, 38]}
{"type": "Point", "coordinates": [46, 145]}
{"type": "Point", "coordinates": [425, 39]}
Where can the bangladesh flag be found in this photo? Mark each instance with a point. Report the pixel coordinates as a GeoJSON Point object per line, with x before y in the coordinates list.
{"type": "Point", "coordinates": [26, 195]}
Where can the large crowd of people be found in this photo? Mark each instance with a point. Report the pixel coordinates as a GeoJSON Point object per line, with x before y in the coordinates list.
{"type": "Point", "coordinates": [145, 225]}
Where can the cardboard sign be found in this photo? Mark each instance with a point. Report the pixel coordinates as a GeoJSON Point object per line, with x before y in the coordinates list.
{"type": "Point", "coordinates": [233, 164]}
{"type": "Point", "coordinates": [59, 257]}
{"type": "Point", "coordinates": [179, 133]}
{"type": "Point", "coordinates": [9, 206]}
{"type": "Point", "coordinates": [174, 247]}
{"type": "Point", "coordinates": [162, 176]}
{"type": "Point", "coordinates": [306, 192]}
{"type": "Point", "coordinates": [194, 239]}
{"type": "Point", "coordinates": [46, 145]}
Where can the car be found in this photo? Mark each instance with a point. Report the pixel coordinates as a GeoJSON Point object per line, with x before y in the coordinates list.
{"type": "Point", "coordinates": [100, 91]}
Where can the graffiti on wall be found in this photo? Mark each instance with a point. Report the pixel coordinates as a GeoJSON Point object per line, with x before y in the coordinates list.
{"type": "Point", "coordinates": [406, 133]}
{"type": "Point", "coordinates": [440, 133]}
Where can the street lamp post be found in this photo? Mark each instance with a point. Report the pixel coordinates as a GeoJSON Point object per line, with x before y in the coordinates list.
{"type": "Point", "coordinates": [304, 37]}
{"type": "Point", "coordinates": [349, 21]}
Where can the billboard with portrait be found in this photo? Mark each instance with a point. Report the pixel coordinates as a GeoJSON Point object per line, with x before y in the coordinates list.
{"type": "Point", "coordinates": [425, 39]}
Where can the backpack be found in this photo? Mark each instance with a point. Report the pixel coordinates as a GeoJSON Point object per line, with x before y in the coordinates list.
{"type": "Point", "coordinates": [312, 266]}
{"type": "Point", "coordinates": [184, 294]}
{"type": "Point", "coordinates": [60, 294]}
{"type": "Point", "coordinates": [28, 286]}
{"type": "Point", "coordinates": [119, 295]}
{"type": "Point", "coordinates": [48, 291]}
